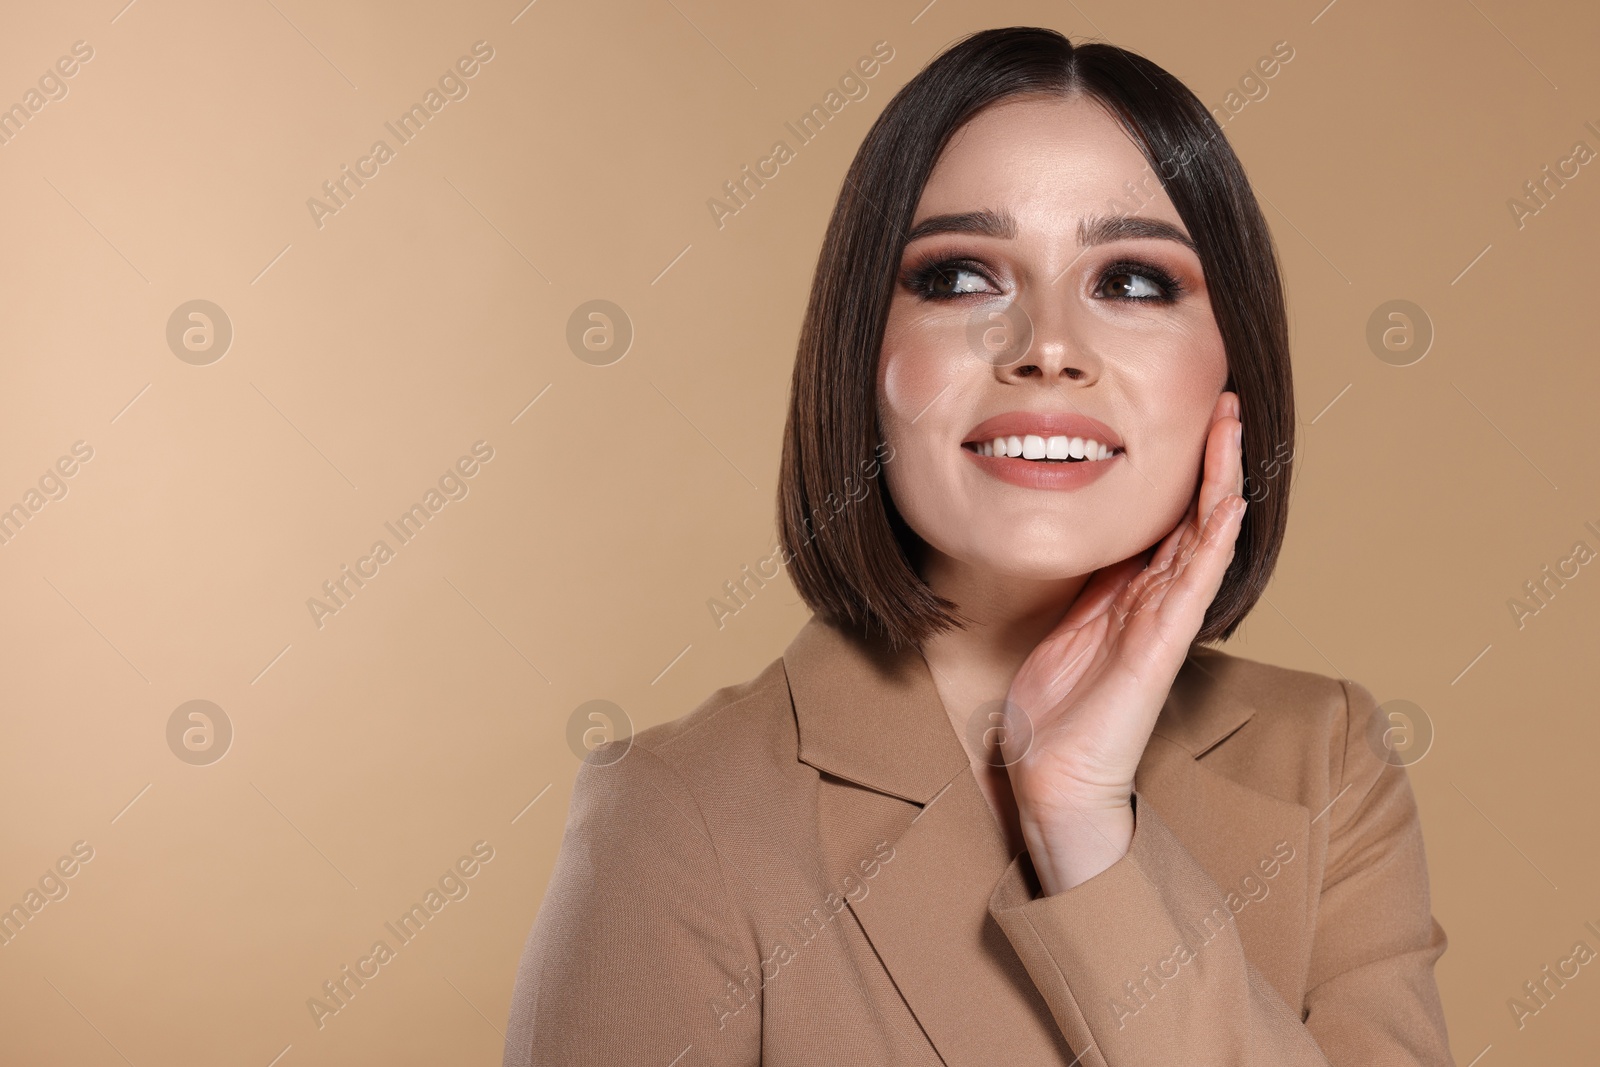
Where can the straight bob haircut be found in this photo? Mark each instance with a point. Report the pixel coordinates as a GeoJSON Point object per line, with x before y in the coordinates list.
{"type": "Point", "coordinates": [851, 555]}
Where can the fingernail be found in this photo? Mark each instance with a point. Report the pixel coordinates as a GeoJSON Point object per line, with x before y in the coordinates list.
{"type": "Point", "coordinates": [1238, 436]}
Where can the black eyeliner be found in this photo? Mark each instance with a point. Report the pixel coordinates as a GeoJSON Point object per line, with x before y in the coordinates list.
{"type": "Point", "coordinates": [918, 276]}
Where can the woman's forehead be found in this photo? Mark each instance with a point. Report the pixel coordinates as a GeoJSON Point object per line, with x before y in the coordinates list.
{"type": "Point", "coordinates": [1047, 163]}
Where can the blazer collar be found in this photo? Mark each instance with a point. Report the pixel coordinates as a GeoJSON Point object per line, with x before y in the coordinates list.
{"type": "Point", "coordinates": [874, 717]}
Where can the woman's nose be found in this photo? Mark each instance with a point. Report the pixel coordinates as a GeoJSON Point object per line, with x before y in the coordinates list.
{"type": "Point", "coordinates": [1042, 339]}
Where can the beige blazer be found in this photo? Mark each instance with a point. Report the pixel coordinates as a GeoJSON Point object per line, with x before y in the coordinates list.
{"type": "Point", "coordinates": [803, 870]}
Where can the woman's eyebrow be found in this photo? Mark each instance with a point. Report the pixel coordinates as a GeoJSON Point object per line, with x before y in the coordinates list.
{"type": "Point", "coordinates": [983, 222]}
{"type": "Point", "coordinates": [1099, 229]}
{"type": "Point", "coordinates": [1092, 229]}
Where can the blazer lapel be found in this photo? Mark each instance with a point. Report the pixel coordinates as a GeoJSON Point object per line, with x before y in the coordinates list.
{"type": "Point", "coordinates": [875, 719]}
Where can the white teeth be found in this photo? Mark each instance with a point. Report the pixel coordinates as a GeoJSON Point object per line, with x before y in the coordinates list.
{"type": "Point", "coordinates": [1037, 447]}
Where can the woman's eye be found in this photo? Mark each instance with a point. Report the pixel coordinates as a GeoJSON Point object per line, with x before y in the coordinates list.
{"type": "Point", "coordinates": [943, 280]}
{"type": "Point", "coordinates": [1131, 282]}
{"type": "Point", "coordinates": [1141, 284]}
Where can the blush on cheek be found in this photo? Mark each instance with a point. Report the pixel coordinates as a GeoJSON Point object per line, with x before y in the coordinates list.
{"type": "Point", "coordinates": [918, 398]}
{"type": "Point", "coordinates": [907, 384]}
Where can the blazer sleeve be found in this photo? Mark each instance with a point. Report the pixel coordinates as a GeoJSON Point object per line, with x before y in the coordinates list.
{"type": "Point", "coordinates": [1370, 992]}
{"type": "Point", "coordinates": [636, 955]}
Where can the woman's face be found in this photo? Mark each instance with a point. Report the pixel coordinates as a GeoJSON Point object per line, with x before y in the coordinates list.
{"type": "Point", "coordinates": [1068, 323]}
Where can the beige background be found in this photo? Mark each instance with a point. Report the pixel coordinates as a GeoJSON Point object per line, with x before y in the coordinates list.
{"type": "Point", "coordinates": [431, 311]}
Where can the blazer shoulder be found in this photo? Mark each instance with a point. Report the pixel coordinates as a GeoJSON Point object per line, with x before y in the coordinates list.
{"type": "Point", "coordinates": [711, 789]}
{"type": "Point", "coordinates": [1302, 723]}
{"type": "Point", "coordinates": [736, 728]}
{"type": "Point", "coordinates": [1282, 695]}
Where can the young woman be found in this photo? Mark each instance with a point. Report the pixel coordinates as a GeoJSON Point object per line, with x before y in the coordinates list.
{"type": "Point", "coordinates": [997, 802]}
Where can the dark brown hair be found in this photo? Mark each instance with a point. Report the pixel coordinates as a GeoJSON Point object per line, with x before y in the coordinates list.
{"type": "Point", "coordinates": [852, 558]}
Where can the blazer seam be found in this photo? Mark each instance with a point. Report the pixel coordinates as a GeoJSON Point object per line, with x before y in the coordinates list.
{"type": "Point", "coordinates": [1071, 998]}
{"type": "Point", "coordinates": [728, 705]}
{"type": "Point", "coordinates": [1356, 803]}
{"type": "Point", "coordinates": [1344, 751]}
{"type": "Point", "coordinates": [728, 896]}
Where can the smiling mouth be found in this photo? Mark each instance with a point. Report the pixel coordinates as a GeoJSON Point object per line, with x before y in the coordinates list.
{"type": "Point", "coordinates": [1038, 449]}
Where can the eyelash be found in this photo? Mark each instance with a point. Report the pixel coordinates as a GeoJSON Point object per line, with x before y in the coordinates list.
{"type": "Point", "coordinates": [919, 279]}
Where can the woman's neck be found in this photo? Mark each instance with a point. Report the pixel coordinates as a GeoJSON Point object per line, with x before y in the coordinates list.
{"type": "Point", "coordinates": [973, 667]}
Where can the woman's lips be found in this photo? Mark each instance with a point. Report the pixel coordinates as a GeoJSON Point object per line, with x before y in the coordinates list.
{"type": "Point", "coordinates": [1043, 473]}
{"type": "Point", "coordinates": [1034, 430]}
{"type": "Point", "coordinates": [1045, 424]}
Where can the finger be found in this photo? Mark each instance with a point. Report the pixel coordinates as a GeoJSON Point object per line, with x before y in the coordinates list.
{"type": "Point", "coordinates": [1179, 537]}
{"type": "Point", "coordinates": [1055, 666]}
{"type": "Point", "coordinates": [1223, 467]}
{"type": "Point", "coordinates": [1197, 578]}
{"type": "Point", "coordinates": [1096, 595]}
{"type": "Point", "coordinates": [1200, 551]}
{"type": "Point", "coordinates": [1239, 475]}
{"type": "Point", "coordinates": [1143, 593]}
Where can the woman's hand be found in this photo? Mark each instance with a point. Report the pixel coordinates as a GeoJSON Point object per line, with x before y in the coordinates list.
{"type": "Point", "coordinates": [1092, 689]}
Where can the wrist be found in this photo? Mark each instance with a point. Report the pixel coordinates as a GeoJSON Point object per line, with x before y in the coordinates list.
{"type": "Point", "coordinates": [1071, 844]}
{"type": "Point", "coordinates": [1054, 799]}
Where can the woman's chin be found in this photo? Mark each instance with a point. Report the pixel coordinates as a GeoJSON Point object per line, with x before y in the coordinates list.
{"type": "Point", "coordinates": [1046, 564]}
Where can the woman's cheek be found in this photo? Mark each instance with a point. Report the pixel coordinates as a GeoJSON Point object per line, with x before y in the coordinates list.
{"type": "Point", "coordinates": [909, 382]}
{"type": "Point", "coordinates": [913, 390]}
{"type": "Point", "coordinates": [915, 479]}
{"type": "Point", "coordinates": [1181, 474]}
